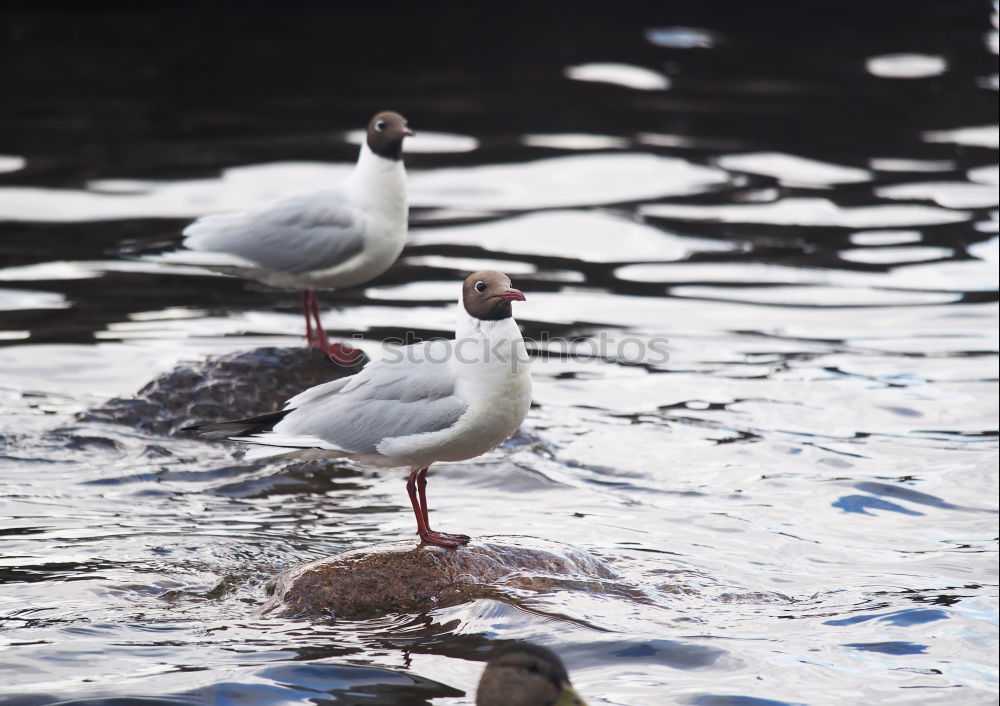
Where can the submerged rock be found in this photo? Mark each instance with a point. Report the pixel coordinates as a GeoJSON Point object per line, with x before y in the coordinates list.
{"type": "Point", "coordinates": [227, 387]}
{"type": "Point", "coordinates": [399, 577]}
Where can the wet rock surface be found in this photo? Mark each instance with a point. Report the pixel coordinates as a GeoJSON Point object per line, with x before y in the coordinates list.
{"type": "Point", "coordinates": [399, 577]}
{"type": "Point", "coordinates": [226, 387]}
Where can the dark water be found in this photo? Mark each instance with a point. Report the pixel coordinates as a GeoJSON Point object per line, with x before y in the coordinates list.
{"type": "Point", "coordinates": [800, 197]}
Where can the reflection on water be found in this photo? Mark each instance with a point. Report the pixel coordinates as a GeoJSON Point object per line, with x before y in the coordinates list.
{"type": "Point", "coordinates": [806, 488]}
{"type": "Point", "coordinates": [907, 65]}
{"type": "Point", "coordinates": [549, 183]}
{"type": "Point", "coordinates": [791, 170]}
{"type": "Point", "coordinates": [635, 77]}
{"type": "Point", "coordinates": [595, 236]}
{"type": "Point", "coordinates": [812, 211]}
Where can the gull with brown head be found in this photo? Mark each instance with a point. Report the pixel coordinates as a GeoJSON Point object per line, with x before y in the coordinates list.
{"type": "Point", "coordinates": [337, 237]}
{"type": "Point", "coordinates": [438, 400]}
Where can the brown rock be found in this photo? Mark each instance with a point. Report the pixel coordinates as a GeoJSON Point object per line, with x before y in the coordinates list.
{"type": "Point", "coordinates": [399, 577]}
{"type": "Point", "coordinates": [225, 387]}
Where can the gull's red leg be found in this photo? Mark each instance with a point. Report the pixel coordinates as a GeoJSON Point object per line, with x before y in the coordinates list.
{"type": "Point", "coordinates": [314, 307]}
{"type": "Point", "coordinates": [307, 314]}
{"type": "Point", "coordinates": [442, 539]}
{"type": "Point", "coordinates": [422, 494]}
{"type": "Point", "coordinates": [411, 490]}
{"type": "Point", "coordinates": [340, 353]}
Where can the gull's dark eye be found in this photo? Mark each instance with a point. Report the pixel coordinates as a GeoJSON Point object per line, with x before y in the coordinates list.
{"type": "Point", "coordinates": [480, 286]}
{"type": "Point", "coordinates": [380, 126]}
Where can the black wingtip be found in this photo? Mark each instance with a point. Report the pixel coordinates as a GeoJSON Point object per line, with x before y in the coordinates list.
{"type": "Point", "coordinates": [238, 427]}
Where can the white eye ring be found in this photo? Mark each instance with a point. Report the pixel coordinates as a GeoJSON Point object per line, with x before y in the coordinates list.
{"type": "Point", "coordinates": [480, 286]}
{"type": "Point", "coordinates": [380, 126]}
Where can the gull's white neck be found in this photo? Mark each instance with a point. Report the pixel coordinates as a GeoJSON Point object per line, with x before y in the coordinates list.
{"type": "Point", "coordinates": [491, 365]}
{"type": "Point", "coordinates": [377, 181]}
{"type": "Point", "coordinates": [468, 326]}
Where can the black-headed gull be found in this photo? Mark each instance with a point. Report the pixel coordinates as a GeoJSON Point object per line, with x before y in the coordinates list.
{"type": "Point", "coordinates": [439, 400]}
{"type": "Point", "coordinates": [337, 237]}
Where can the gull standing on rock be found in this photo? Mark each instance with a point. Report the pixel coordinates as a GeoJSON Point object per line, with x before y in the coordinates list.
{"type": "Point", "coordinates": [439, 400]}
{"type": "Point", "coordinates": [338, 237]}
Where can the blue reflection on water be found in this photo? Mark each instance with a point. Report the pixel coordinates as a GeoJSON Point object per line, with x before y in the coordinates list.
{"type": "Point", "coordinates": [860, 504]}
{"type": "Point", "coordinates": [901, 618]}
{"type": "Point", "coordinates": [889, 648]}
{"type": "Point", "coordinates": [901, 493]}
{"type": "Point", "coordinates": [733, 700]}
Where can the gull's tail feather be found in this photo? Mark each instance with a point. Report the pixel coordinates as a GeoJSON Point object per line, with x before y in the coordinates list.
{"type": "Point", "coordinates": [200, 259]}
{"type": "Point", "coordinates": [269, 443]}
{"type": "Point", "coordinates": [259, 452]}
{"type": "Point", "coordinates": [238, 427]}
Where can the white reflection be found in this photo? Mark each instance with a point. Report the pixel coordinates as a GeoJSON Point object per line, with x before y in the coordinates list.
{"type": "Point", "coordinates": [575, 141]}
{"type": "Point", "coordinates": [950, 194]}
{"type": "Point", "coordinates": [890, 256]}
{"type": "Point", "coordinates": [992, 38]}
{"type": "Point", "coordinates": [20, 299]}
{"type": "Point", "coordinates": [429, 291]}
{"type": "Point", "coordinates": [987, 251]}
{"type": "Point", "coordinates": [885, 237]}
{"type": "Point", "coordinates": [951, 276]}
{"type": "Point", "coordinates": [680, 317]}
{"type": "Point", "coordinates": [659, 139]}
{"type": "Point", "coordinates": [170, 314]}
{"type": "Point", "coordinates": [585, 235]}
{"type": "Point", "coordinates": [906, 65]}
{"type": "Point", "coordinates": [792, 169]}
{"type": "Point", "coordinates": [816, 296]}
{"type": "Point", "coordinates": [11, 163]}
{"type": "Point", "coordinates": [447, 215]}
{"type": "Point", "coordinates": [721, 272]}
{"type": "Point", "coordinates": [990, 225]}
{"type": "Point", "coordinates": [627, 75]}
{"type": "Point", "coordinates": [577, 180]}
{"type": "Point", "coordinates": [892, 164]}
{"type": "Point", "coordinates": [119, 186]}
{"type": "Point", "coordinates": [548, 183]}
{"type": "Point", "coordinates": [978, 136]}
{"type": "Point", "coordinates": [49, 270]}
{"type": "Point", "coordinates": [471, 264]}
{"type": "Point", "coordinates": [236, 189]}
{"type": "Point", "coordinates": [662, 140]}
{"type": "Point", "coordinates": [988, 174]}
{"type": "Point", "coordinates": [811, 212]}
{"type": "Point", "coordinates": [681, 37]}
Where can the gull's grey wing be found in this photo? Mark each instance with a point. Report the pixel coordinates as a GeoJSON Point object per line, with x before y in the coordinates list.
{"type": "Point", "coordinates": [314, 231]}
{"type": "Point", "coordinates": [411, 394]}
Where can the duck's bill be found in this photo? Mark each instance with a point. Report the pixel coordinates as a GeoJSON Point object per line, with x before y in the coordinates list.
{"type": "Point", "coordinates": [569, 697]}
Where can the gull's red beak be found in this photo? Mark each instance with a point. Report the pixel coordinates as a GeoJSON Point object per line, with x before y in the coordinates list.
{"type": "Point", "coordinates": [513, 295]}
{"type": "Point", "coordinates": [408, 132]}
